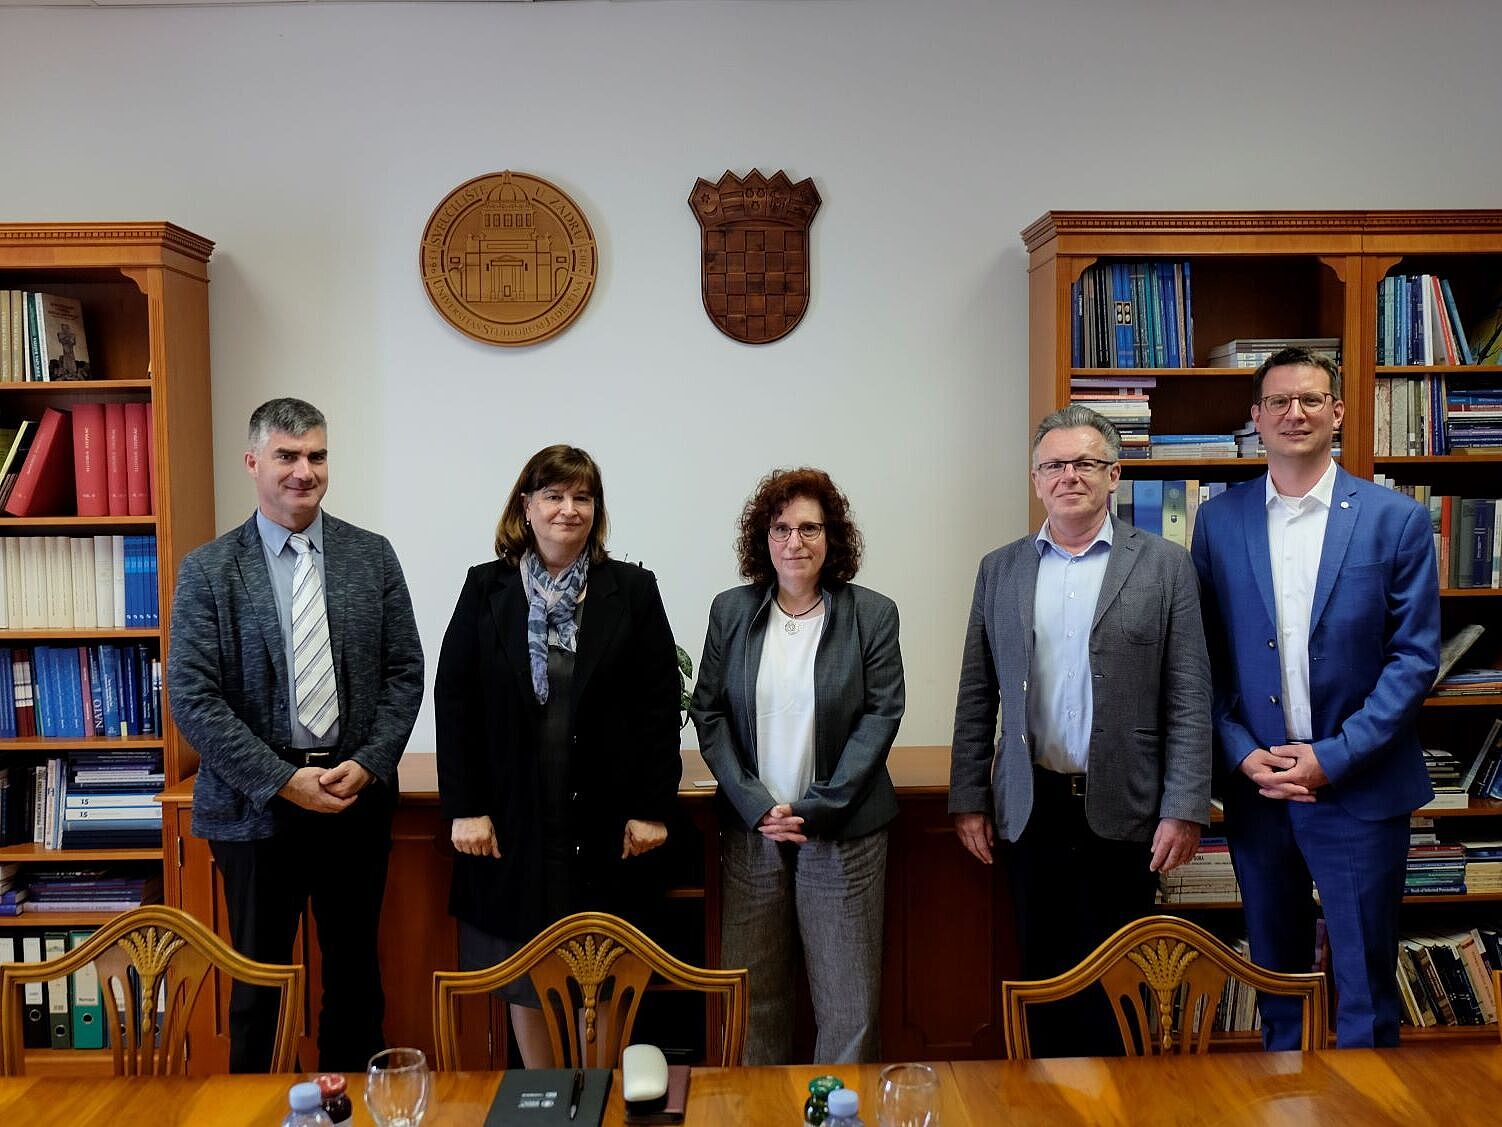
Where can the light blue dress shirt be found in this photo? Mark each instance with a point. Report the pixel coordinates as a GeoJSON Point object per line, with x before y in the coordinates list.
{"type": "Point", "coordinates": [281, 559]}
{"type": "Point", "coordinates": [1060, 701]}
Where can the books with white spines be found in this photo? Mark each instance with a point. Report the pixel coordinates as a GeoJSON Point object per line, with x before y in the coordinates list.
{"type": "Point", "coordinates": [1270, 345]}
{"type": "Point", "coordinates": [33, 583]}
{"type": "Point", "coordinates": [82, 552]}
{"type": "Point", "coordinates": [14, 584]}
{"type": "Point", "coordinates": [59, 582]}
{"type": "Point", "coordinates": [4, 592]}
{"type": "Point", "coordinates": [104, 582]}
{"type": "Point", "coordinates": [117, 560]}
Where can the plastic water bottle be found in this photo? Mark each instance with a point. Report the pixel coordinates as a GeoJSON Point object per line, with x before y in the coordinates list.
{"type": "Point", "coordinates": [307, 1107]}
{"type": "Point", "coordinates": [844, 1109]}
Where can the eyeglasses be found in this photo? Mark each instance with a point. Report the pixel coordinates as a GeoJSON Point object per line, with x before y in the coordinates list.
{"type": "Point", "coordinates": [806, 531]}
{"type": "Point", "coordinates": [1311, 401]}
{"type": "Point", "coordinates": [1084, 467]}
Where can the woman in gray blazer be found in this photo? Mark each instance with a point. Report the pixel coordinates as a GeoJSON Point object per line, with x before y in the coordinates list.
{"type": "Point", "coordinates": [799, 696]}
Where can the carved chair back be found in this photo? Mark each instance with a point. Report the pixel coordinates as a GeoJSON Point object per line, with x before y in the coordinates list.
{"type": "Point", "coordinates": [151, 963]}
{"type": "Point", "coordinates": [591, 971]}
{"type": "Point", "coordinates": [1164, 978]}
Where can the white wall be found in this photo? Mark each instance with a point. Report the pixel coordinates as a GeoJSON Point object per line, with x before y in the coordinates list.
{"type": "Point", "coordinates": [311, 143]}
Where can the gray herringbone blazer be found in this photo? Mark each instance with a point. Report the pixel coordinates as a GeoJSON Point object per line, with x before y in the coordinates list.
{"type": "Point", "coordinates": [1150, 746]}
{"type": "Point", "coordinates": [227, 669]}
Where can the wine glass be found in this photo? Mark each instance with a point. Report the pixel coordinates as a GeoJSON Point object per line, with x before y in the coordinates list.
{"type": "Point", "coordinates": [908, 1096]}
{"type": "Point", "coordinates": [396, 1087]}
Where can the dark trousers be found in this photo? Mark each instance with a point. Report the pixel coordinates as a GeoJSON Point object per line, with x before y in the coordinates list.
{"type": "Point", "coordinates": [1359, 868]}
{"type": "Point", "coordinates": [339, 861]}
{"type": "Point", "coordinates": [1072, 889]}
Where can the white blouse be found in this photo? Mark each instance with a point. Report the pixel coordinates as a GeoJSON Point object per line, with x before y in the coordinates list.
{"type": "Point", "coordinates": [785, 704]}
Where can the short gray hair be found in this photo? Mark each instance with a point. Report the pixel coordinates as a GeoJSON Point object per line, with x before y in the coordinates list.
{"type": "Point", "coordinates": [1078, 415]}
{"type": "Point", "coordinates": [287, 416]}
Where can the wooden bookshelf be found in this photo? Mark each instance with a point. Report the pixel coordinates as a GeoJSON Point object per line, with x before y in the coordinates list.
{"type": "Point", "coordinates": [144, 292]}
{"type": "Point", "coordinates": [1270, 274]}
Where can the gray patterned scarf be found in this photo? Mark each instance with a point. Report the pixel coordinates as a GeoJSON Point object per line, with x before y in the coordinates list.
{"type": "Point", "coordinates": [551, 603]}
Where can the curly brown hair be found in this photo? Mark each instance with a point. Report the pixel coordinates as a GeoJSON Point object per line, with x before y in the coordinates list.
{"type": "Point", "coordinates": [774, 493]}
{"type": "Point", "coordinates": [552, 465]}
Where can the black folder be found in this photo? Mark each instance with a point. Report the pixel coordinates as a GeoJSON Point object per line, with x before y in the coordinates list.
{"type": "Point", "coordinates": [533, 1097]}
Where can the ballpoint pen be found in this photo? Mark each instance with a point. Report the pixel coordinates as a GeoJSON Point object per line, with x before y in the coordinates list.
{"type": "Point", "coordinates": [575, 1093]}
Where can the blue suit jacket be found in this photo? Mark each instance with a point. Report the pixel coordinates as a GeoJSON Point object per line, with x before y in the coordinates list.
{"type": "Point", "coordinates": [1373, 640]}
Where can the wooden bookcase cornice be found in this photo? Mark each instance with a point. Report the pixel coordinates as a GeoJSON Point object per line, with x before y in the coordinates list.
{"type": "Point", "coordinates": [112, 245]}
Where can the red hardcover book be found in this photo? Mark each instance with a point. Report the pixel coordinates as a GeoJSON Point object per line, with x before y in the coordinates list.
{"type": "Point", "coordinates": [137, 483]}
{"type": "Point", "coordinates": [90, 482]}
{"type": "Point", "coordinates": [150, 459]}
{"type": "Point", "coordinates": [114, 457]}
{"type": "Point", "coordinates": [45, 485]}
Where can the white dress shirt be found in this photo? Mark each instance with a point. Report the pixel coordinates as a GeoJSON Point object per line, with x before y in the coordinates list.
{"type": "Point", "coordinates": [785, 704]}
{"type": "Point", "coordinates": [1295, 539]}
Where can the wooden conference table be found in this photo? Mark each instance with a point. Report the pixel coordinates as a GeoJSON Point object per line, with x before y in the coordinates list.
{"type": "Point", "coordinates": [1448, 1085]}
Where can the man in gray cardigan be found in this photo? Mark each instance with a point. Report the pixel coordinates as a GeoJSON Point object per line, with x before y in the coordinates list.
{"type": "Point", "coordinates": [295, 670]}
{"type": "Point", "coordinates": [1088, 637]}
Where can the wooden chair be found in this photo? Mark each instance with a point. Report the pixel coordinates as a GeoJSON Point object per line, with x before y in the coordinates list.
{"type": "Point", "coordinates": [590, 970]}
{"type": "Point", "coordinates": [169, 954]}
{"type": "Point", "coordinates": [1154, 971]}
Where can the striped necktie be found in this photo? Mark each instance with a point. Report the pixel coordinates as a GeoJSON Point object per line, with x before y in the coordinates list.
{"type": "Point", "coordinates": [312, 657]}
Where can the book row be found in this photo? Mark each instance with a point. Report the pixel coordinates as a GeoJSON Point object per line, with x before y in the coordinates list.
{"type": "Point", "coordinates": [1418, 322]}
{"type": "Point", "coordinates": [1439, 414]}
{"type": "Point", "coordinates": [39, 890]}
{"type": "Point", "coordinates": [1445, 979]}
{"type": "Point", "coordinates": [42, 338]}
{"type": "Point", "coordinates": [1467, 534]}
{"type": "Point", "coordinates": [88, 460]}
{"type": "Point", "coordinates": [1134, 315]}
{"type": "Point", "coordinates": [102, 582]}
{"type": "Point", "coordinates": [77, 692]}
{"type": "Point", "coordinates": [83, 801]}
{"type": "Point", "coordinates": [1164, 508]}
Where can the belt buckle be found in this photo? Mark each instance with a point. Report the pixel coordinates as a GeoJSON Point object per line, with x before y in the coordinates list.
{"type": "Point", "coordinates": [1077, 786]}
{"type": "Point", "coordinates": [322, 758]}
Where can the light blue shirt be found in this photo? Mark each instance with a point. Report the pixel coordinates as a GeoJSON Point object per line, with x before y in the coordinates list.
{"type": "Point", "coordinates": [1060, 702]}
{"type": "Point", "coordinates": [281, 560]}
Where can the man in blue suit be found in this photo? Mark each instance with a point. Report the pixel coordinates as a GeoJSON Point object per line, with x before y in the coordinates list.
{"type": "Point", "coordinates": [1321, 604]}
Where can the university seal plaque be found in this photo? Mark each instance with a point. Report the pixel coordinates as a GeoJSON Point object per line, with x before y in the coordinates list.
{"type": "Point", "coordinates": [508, 259]}
{"type": "Point", "coordinates": [754, 252]}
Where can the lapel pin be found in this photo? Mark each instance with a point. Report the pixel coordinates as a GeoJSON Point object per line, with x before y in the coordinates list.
{"type": "Point", "coordinates": [1345, 504]}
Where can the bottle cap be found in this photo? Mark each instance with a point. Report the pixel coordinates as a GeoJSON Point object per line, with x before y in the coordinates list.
{"type": "Point", "coordinates": [305, 1096]}
{"type": "Point", "coordinates": [823, 1085]}
{"type": "Point", "coordinates": [844, 1102]}
{"type": "Point", "coordinates": [331, 1084]}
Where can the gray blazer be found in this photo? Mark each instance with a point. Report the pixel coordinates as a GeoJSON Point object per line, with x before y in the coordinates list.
{"type": "Point", "coordinates": [227, 670]}
{"type": "Point", "coordinates": [858, 701]}
{"type": "Point", "coordinates": [1150, 745]}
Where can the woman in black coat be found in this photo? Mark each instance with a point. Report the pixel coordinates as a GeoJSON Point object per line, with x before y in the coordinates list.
{"type": "Point", "coordinates": [557, 720]}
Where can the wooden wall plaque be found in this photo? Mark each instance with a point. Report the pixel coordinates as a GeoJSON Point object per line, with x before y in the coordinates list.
{"type": "Point", "coordinates": [507, 258]}
{"type": "Point", "coordinates": [753, 251]}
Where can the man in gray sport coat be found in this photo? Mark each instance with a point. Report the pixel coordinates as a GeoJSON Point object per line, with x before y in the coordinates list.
{"type": "Point", "coordinates": [299, 744]}
{"type": "Point", "coordinates": [1087, 635]}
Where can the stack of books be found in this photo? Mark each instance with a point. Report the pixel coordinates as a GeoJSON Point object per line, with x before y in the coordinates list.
{"type": "Point", "coordinates": [12, 888]}
{"type": "Point", "coordinates": [1192, 445]}
{"type": "Point", "coordinates": [80, 691]}
{"type": "Point", "coordinates": [109, 800]}
{"type": "Point", "coordinates": [1134, 315]}
{"type": "Point", "coordinates": [1483, 866]}
{"type": "Point", "coordinates": [90, 459]}
{"type": "Point", "coordinates": [1470, 682]}
{"type": "Point", "coordinates": [1435, 868]}
{"type": "Point", "coordinates": [90, 890]}
{"type": "Point", "coordinates": [1207, 879]}
{"type": "Point", "coordinates": [1237, 1011]}
{"type": "Point", "coordinates": [1250, 353]}
{"type": "Point", "coordinates": [1122, 402]}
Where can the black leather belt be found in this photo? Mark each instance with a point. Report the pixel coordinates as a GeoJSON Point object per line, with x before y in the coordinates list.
{"type": "Point", "coordinates": [1060, 782]}
{"type": "Point", "coordinates": [307, 756]}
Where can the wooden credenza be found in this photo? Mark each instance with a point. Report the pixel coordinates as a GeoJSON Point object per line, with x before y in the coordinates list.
{"type": "Point", "coordinates": [949, 940]}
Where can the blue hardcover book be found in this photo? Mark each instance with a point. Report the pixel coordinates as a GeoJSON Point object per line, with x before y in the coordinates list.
{"type": "Point", "coordinates": [133, 616]}
{"type": "Point", "coordinates": [153, 590]}
{"type": "Point", "coordinates": [1147, 505]}
{"type": "Point", "coordinates": [71, 680]}
{"type": "Point", "coordinates": [1401, 327]}
{"type": "Point", "coordinates": [43, 680]}
{"type": "Point", "coordinates": [109, 676]}
{"type": "Point", "coordinates": [1077, 334]}
{"type": "Point", "coordinates": [1481, 545]}
{"type": "Point", "coordinates": [7, 698]}
{"type": "Point", "coordinates": [1417, 330]}
{"type": "Point", "coordinates": [130, 693]}
{"type": "Point", "coordinates": [96, 693]}
{"type": "Point", "coordinates": [1382, 321]}
{"type": "Point", "coordinates": [1172, 354]}
{"type": "Point", "coordinates": [1121, 297]}
{"type": "Point", "coordinates": [1188, 319]}
{"type": "Point", "coordinates": [1466, 356]}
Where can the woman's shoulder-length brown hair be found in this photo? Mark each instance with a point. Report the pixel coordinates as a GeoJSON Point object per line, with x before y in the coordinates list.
{"type": "Point", "coordinates": [552, 465]}
{"type": "Point", "coordinates": [842, 558]}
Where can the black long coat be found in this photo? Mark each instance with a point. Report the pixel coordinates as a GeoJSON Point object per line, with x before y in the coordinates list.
{"type": "Point", "coordinates": [624, 756]}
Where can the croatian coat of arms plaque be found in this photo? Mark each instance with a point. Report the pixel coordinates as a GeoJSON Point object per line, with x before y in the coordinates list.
{"type": "Point", "coordinates": [508, 259]}
{"type": "Point", "coordinates": [754, 252]}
